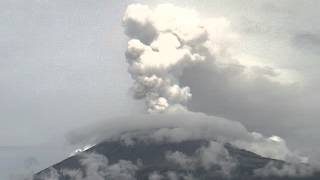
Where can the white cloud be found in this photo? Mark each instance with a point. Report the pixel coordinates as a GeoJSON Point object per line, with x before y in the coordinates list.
{"type": "Point", "coordinates": [95, 167]}
{"type": "Point", "coordinates": [180, 127]}
{"type": "Point", "coordinates": [285, 170]}
{"type": "Point", "coordinates": [213, 155]}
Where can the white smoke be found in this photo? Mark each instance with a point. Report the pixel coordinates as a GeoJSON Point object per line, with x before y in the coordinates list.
{"type": "Point", "coordinates": [273, 147]}
{"type": "Point", "coordinates": [166, 40]}
{"type": "Point", "coordinates": [207, 157]}
{"type": "Point", "coordinates": [285, 170]}
{"type": "Point", "coordinates": [51, 174]}
{"type": "Point", "coordinates": [155, 176]}
{"type": "Point", "coordinates": [216, 154]}
{"type": "Point", "coordinates": [95, 167]}
{"type": "Point", "coordinates": [157, 63]}
{"type": "Point", "coordinates": [181, 159]}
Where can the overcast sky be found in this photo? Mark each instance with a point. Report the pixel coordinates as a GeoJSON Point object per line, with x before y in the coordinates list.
{"type": "Point", "coordinates": [62, 66]}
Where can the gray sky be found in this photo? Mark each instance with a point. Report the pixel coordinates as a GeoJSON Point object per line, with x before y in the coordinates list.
{"type": "Point", "coordinates": [62, 66]}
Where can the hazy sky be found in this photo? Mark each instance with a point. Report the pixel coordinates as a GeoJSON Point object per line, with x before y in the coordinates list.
{"type": "Point", "coordinates": [62, 66]}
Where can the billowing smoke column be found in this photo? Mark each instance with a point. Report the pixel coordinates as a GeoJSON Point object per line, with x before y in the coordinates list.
{"type": "Point", "coordinates": [164, 42]}
{"type": "Point", "coordinates": [167, 43]}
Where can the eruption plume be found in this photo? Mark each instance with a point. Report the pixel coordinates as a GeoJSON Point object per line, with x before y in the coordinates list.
{"type": "Point", "coordinates": [161, 47]}
{"type": "Point", "coordinates": [164, 43]}
{"type": "Point", "coordinates": [167, 40]}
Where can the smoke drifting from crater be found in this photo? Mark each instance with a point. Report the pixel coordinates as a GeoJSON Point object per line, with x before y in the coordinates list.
{"type": "Point", "coordinates": [169, 47]}
{"type": "Point", "coordinates": [169, 44]}
{"type": "Point", "coordinates": [177, 59]}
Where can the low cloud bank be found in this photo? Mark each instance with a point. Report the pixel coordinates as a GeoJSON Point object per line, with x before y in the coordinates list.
{"type": "Point", "coordinates": [95, 167]}
{"type": "Point", "coordinates": [215, 155]}
{"type": "Point", "coordinates": [286, 170]}
{"type": "Point", "coordinates": [182, 127]}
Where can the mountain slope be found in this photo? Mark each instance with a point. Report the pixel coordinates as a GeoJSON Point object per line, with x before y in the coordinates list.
{"type": "Point", "coordinates": [183, 160]}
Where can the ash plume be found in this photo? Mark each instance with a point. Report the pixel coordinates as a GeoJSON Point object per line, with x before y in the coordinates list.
{"type": "Point", "coordinates": [167, 46]}
{"type": "Point", "coordinates": [167, 43]}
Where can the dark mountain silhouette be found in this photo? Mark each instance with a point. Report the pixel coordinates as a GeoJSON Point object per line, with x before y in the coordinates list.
{"type": "Point", "coordinates": [152, 156]}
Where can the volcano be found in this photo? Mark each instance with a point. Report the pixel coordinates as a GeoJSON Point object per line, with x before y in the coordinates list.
{"type": "Point", "coordinates": [149, 161]}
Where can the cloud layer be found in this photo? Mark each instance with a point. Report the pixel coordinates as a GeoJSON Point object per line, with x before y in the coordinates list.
{"type": "Point", "coordinates": [95, 167]}
{"type": "Point", "coordinates": [180, 127]}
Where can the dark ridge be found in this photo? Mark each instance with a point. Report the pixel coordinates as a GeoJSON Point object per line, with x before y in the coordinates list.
{"type": "Point", "coordinates": [153, 157]}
